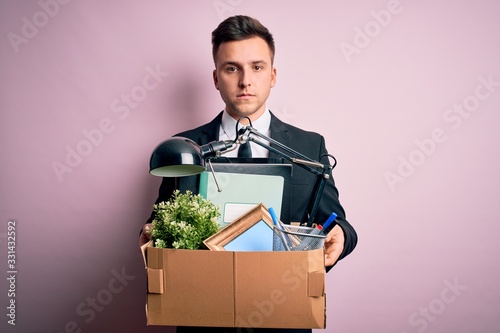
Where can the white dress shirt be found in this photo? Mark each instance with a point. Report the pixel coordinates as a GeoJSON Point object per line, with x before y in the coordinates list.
{"type": "Point", "coordinates": [228, 132]}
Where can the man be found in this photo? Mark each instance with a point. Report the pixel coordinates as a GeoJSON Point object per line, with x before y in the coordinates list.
{"type": "Point", "coordinates": [243, 52]}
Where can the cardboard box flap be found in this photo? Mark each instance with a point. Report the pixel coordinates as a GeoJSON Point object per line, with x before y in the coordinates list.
{"type": "Point", "coordinates": [155, 281]}
{"type": "Point", "coordinates": [316, 284]}
{"type": "Point", "coordinates": [144, 248]}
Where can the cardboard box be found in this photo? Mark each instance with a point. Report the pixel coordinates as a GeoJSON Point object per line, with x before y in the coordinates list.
{"type": "Point", "coordinates": [236, 289]}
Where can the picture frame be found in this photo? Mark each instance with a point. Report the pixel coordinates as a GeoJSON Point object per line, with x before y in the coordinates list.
{"type": "Point", "coordinates": [252, 231]}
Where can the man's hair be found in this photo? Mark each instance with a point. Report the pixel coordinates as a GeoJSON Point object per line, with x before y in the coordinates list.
{"type": "Point", "coordinates": [240, 27]}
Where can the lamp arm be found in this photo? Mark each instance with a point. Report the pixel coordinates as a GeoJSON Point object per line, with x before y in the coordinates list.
{"type": "Point", "coordinates": [304, 162]}
{"type": "Point", "coordinates": [313, 206]}
{"type": "Point", "coordinates": [216, 148]}
{"type": "Point", "coordinates": [300, 163]}
{"type": "Point", "coordinates": [289, 150]}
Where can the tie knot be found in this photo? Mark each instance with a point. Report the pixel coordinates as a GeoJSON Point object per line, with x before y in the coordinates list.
{"type": "Point", "coordinates": [245, 150]}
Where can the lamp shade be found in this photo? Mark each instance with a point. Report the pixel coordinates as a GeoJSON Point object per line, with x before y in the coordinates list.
{"type": "Point", "coordinates": [176, 157]}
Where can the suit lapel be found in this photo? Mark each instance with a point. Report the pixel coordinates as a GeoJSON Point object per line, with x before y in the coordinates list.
{"type": "Point", "coordinates": [211, 132]}
{"type": "Point", "coordinates": [279, 132]}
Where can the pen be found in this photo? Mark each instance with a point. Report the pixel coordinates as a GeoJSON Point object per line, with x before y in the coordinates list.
{"type": "Point", "coordinates": [319, 230]}
{"type": "Point", "coordinates": [278, 225]}
{"type": "Point", "coordinates": [330, 220]}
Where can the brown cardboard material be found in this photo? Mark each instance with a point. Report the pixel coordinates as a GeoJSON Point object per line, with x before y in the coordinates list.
{"type": "Point", "coordinates": [236, 289]}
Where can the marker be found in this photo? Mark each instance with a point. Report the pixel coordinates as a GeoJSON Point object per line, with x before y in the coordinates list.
{"type": "Point", "coordinates": [330, 220]}
{"type": "Point", "coordinates": [318, 231]}
{"type": "Point", "coordinates": [278, 225]}
{"type": "Point", "coordinates": [275, 218]}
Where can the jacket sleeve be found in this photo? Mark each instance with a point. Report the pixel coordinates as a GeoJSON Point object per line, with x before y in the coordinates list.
{"type": "Point", "coordinates": [330, 203]}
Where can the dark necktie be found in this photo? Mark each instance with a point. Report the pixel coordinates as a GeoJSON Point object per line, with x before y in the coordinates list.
{"type": "Point", "coordinates": [245, 150]}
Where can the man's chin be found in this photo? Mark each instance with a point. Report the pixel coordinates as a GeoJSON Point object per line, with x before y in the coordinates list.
{"type": "Point", "coordinates": [245, 112]}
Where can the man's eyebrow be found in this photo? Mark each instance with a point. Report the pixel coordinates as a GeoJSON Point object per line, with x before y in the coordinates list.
{"type": "Point", "coordinates": [235, 63]}
{"type": "Point", "coordinates": [259, 62]}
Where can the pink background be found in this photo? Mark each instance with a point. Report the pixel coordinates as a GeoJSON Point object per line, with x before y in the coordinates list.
{"type": "Point", "coordinates": [383, 81]}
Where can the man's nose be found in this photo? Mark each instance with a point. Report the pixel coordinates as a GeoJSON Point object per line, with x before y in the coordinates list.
{"type": "Point", "coordinates": [245, 79]}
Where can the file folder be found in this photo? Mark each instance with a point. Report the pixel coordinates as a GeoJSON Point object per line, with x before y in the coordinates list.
{"type": "Point", "coordinates": [246, 185]}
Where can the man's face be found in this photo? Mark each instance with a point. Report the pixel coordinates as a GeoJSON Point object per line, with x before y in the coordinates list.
{"type": "Point", "coordinates": [244, 76]}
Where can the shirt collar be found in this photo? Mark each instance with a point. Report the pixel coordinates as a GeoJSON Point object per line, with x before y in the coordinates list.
{"type": "Point", "coordinates": [228, 125]}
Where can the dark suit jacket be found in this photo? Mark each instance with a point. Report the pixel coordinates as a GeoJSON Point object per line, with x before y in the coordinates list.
{"type": "Point", "coordinates": [309, 144]}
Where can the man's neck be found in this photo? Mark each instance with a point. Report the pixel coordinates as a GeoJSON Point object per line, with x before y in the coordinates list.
{"type": "Point", "coordinates": [244, 121]}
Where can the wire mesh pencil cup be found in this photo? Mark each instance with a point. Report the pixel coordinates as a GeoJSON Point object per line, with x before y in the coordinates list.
{"type": "Point", "coordinates": [296, 238]}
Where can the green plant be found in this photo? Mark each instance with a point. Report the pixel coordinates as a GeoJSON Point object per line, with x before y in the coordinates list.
{"type": "Point", "coordinates": [184, 221]}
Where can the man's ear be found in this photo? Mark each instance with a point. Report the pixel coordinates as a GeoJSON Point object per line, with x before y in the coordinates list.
{"type": "Point", "coordinates": [216, 80]}
{"type": "Point", "coordinates": [273, 77]}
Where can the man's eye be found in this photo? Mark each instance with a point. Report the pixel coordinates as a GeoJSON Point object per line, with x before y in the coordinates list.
{"type": "Point", "coordinates": [231, 69]}
{"type": "Point", "coordinates": [258, 67]}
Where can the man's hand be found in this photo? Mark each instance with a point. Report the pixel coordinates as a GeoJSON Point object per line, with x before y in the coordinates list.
{"type": "Point", "coordinates": [334, 245]}
{"type": "Point", "coordinates": [145, 235]}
